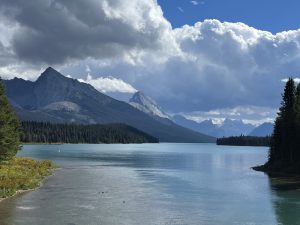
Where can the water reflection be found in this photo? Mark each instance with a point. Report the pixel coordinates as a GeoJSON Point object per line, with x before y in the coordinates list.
{"type": "Point", "coordinates": [286, 199]}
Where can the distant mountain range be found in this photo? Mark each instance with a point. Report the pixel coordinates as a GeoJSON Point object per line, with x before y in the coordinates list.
{"type": "Point", "coordinates": [265, 129]}
{"type": "Point", "coordinates": [227, 128]}
{"type": "Point", "coordinates": [56, 98]}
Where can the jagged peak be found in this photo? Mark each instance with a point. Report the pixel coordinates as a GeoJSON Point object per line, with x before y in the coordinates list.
{"type": "Point", "coordinates": [144, 103]}
{"type": "Point", "coordinates": [50, 72]}
{"type": "Point", "coordinates": [140, 97]}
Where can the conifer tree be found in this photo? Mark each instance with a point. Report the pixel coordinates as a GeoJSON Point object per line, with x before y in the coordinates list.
{"type": "Point", "coordinates": [297, 124]}
{"type": "Point", "coordinates": [9, 128]}
{"type": "Point", "coordinates": [284, 135]}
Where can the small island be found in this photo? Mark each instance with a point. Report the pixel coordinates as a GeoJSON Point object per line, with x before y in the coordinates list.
{"type": "Point", "coordinates": [244, 141]}
{"type": "Point", "coordinates": [284, 152]}
{"type": "Point", "coordinates": [16, 174]}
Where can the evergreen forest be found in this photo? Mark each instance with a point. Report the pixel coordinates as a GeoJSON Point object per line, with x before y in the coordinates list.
{"type": "Point", "coordinates": [244, 141]}
{"type": "Point", "coordinates": [41, 132]}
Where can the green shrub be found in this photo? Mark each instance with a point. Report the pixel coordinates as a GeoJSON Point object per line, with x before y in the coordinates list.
{"type": "Point", "coordinates": [22, 174]}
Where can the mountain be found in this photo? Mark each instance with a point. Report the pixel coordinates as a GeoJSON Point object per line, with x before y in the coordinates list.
{"type": "Point", "coordinates": [265, 129]}
{"type": "Point", "coordinates": [227, 128]}
{"type": "Point", "coordinates": [206, 127]}
{"type": "Point", "coordinates": [147, 105]}
{"type": "Point", "coordinates": [235, 128]}
{"type": "Point", "coordinates": [56, 98]}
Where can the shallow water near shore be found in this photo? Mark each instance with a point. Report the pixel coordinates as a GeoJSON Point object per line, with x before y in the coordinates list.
{"type": "Point", "coordinates": [153, 184]}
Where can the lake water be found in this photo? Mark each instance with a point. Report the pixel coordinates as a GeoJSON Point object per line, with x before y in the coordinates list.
{"type": "Point", "coordinates": [159, 184]}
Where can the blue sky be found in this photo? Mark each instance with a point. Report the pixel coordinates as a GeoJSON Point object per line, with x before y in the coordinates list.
{"type": "Point", "coordinates": [270, 15]}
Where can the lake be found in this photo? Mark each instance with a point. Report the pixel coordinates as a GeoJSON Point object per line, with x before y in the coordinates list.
{"type": "Point", "coordinates": [159, 184]}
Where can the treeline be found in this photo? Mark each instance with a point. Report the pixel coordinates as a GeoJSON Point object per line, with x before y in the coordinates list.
{"type": "Point", "coordinates": [244, 141]}
{"type": "Point", "coordinates": [284, 153]}
{"type": "Point", "coordinates": [40, 132]}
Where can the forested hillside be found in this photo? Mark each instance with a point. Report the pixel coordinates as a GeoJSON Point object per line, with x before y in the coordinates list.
{"type": "Point", "coordinates": [39, 132]}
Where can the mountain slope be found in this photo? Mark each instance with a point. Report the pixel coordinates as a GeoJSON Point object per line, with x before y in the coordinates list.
{"type": "Point", "coordinates": [56, 98]}
{"type": "Point", "coordinates": [263, 130]}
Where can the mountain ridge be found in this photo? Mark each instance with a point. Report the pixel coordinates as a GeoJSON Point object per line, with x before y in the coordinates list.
{"type": "Point", "coordinates": [36, 101]}
{"type": "Point", "coordinates": [265, 129]}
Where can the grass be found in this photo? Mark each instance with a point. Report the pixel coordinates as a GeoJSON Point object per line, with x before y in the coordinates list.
{"type": "Point", "coordinates": [22, 174]}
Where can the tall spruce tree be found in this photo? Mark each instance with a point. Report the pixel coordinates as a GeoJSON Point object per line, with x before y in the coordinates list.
{"type": "Point", "coordinates": [9, 128]}
{"type": "Point", "coordinates": [284, 135]}
{"type": "Point", "coordinates": [297, 124]}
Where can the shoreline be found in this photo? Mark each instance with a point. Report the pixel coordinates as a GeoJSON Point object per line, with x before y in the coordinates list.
{"type": "Point", "coordinates": [18, 192]}
{"type": "Point", "coordinates": [274, 174]}
{"type": "Point", "coordinates": [23, 191]}
{"type": "Point", "coordinates": [22, 174]}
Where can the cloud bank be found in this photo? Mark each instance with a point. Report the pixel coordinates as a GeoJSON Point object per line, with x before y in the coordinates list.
{"type": "Point", "coordinates": [210, 65]}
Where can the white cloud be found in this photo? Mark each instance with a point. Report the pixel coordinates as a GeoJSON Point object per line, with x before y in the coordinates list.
{"type": "Point", "coordinates": [220, 65]}
{"type": "Point", "coordinates": [180, 9]}
{"type": "Point", "coordinates": [296, 80]}
{"type": "Point", "coordinates": [194, 2]}
{"type": "Point", "coordinates": [109, 84]}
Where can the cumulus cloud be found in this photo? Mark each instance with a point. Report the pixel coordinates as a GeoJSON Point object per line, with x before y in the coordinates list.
{"type": "Point", "coordinates": [57, 31]}
{"type": "Point", "coordinates": [221, 65]}
{"type": "Point", "coordinates": [225, 65]}
{"type": "Point", "coordinates": [109, 84]}
{"type": "Point", "coordinates": [194, 2]}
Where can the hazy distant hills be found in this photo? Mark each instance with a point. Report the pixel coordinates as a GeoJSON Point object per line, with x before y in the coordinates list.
{"type": "Point", "coordinates": [56, 98]}
{"type": "Point", "coordinates": [227, 128]}
{"type": "Point", "coordinates": [263, 130]}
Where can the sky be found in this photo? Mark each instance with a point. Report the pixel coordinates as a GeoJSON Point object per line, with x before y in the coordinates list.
{"type": "Point", "coordinates": [203, 59]}
{"type": "Point", "coordinates": [271, 15]}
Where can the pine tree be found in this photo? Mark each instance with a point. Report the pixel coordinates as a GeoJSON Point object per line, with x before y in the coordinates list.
{"type": "Point", "coordinates": [9, 128]}
{"type": "Point", "coordinates": [282, 146]}
{"type": "Point", "coordinates": [297, 124]}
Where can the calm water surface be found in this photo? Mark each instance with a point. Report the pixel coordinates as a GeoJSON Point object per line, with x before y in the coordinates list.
{"type": "Point", "coordinates": [160, 184]}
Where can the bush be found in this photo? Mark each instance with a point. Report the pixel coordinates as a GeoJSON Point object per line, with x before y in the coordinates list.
{"type": "Point", "coordinates": [22, 174]}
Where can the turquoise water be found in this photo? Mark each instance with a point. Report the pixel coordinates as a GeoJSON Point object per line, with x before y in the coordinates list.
{"type": "Point", "coordinates": [153, 184]}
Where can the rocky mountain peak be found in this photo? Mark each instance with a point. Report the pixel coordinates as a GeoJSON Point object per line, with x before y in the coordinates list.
{"type": "Point", "coordinates": [147, 105]}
